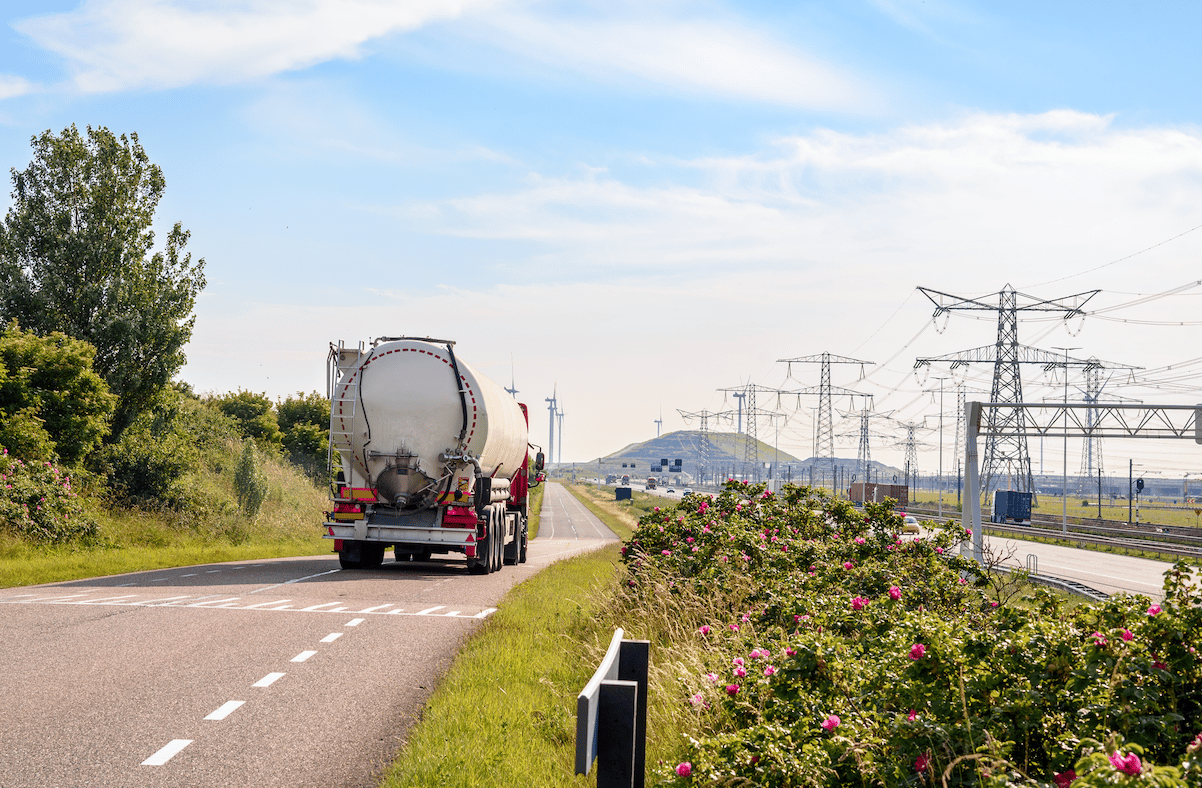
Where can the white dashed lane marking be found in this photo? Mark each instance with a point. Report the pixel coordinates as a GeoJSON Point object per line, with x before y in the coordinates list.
{"type": "Point", "coordinates": [330, 638]}
{"type": "Point", "coordinates": [167, 753]}
{"type": "Point", "coordinates": [215, 602]}
{"type": "Point", "coordinates": [226, 710]}
{"type": "Point", "coordinates": [269, 679]}
{"type": "Point", "coordinates": [301, 657]}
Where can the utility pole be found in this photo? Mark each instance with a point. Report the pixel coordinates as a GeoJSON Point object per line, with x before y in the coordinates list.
{"type": "Point", "coordinates": [704, 416]}
{"type": "Point", "coordinates": [1064, 478]}
{"type": "Point", "coordinates": [941, 379]}
{"type": "Point", "coordinates": [751, 442]}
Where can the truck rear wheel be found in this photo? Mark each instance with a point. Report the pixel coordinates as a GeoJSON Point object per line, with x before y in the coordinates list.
{"type": "Point", "coordinates": [349, 563]}
{"type": "Point", "coordinates": [482, 564]}
{"type": "Point", "coordinates": [373, 555]}
{"type": "Point", "coordinates": [523, 539]}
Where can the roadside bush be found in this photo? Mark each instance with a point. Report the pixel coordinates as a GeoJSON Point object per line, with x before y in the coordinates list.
{"type": "Point", "coordinates": [253, 414]}
{"type": "Point", "coordinates": [145, 466]}
{"type": "Point", "coordinates": [844, 654]}
{"type": "Point", "coordinates": [49, 396]}
{"type": "Point", "coordinates": [37, 502]}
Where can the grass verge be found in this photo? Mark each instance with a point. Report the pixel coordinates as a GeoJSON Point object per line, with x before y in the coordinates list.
{"type": "Point", "coordinates": [504, 714]}
{"type": "Point", "coordinates": [133, 540]}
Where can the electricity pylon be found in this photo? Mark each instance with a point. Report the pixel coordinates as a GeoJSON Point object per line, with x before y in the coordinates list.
{"type": "Point", "coordinates": [825, 434]}
{"type": "Point", "coordinates": [1006, 451]}
{"type": "Point", "coordinates": [552, 407]}
{"type": "Point", "coordinates": [746, 396]}
{"type": "Point", "coordinates": [704, 449]}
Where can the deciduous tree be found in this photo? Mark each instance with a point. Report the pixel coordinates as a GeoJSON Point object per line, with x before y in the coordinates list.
{"type": "Point", "coordinates": [76, 257]}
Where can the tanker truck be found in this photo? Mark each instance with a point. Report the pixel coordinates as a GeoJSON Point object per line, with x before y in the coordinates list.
{"type": "Point", "coordinates": [427, 456]}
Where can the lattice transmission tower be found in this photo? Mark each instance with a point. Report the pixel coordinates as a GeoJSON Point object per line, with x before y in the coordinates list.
{"type": "Point", "coordinates": [705, 467]}
{"type": "Point", "coordinates": [751, 443]}
{"type": "Point", "coordinates": [824, 447]}
{"type": "Point", "coordinates": [1006, 453]}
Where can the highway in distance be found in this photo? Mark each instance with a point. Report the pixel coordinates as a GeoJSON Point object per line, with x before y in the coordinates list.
{"type": "Point", "coordinates": [274, 673]}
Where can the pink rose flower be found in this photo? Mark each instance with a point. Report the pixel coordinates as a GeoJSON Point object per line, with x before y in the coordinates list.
{"type": "Point", "coordinates": [1127, 764]}
{"type": "Point", "coordinates": [769, 670]}
{"type": "Point", "coordinates": [1127, 634]}
{"type": "Point", "coordinates": [684, 769]}
{"type": "Point", "coordinates": [1154, 610]}
{"type": "Point", "coordinates": [704, 629]}
{"type": "Point", "coordinates": [848, 564]}
{"type": "Point", "coordinates": [917, 651]}
{"type": "Point", "coordinates": [913, 715]}
{"type": "Point", "coordinates": [922, 762]}
{"type": "Point", "coordinates": [894, 593]}
{"type": "Point", "coordinates": [732, 689]}
{"type": "Point", "coordinates": [858, 603]}
{"type": "Point", "coordinates": [1064, 779]}
{"type": "Point", "coordinates": [831, 722]}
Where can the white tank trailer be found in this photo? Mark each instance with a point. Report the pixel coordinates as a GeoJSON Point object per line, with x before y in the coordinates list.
{"type": "Point", "coordinates": [428, 455]}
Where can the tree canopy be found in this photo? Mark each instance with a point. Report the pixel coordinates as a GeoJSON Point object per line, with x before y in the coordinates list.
{"type": "Point", "coordinates": [76, 257]}
{"type": "Point", "coordinates": [51, 402]}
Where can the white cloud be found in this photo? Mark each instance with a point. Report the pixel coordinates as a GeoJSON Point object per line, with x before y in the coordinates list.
{"type": "Point", "coordinates": [122, 44]}
{"type": "Point", "coordinates": [12, 86]}
{"type": "Point", "coordinates": [710, 58]}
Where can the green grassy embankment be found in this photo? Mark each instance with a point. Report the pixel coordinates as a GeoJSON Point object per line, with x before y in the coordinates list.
{"type": "Point", "coordinates": [132, 540]}
{"type": "Point", "coordinates": [504, 715]}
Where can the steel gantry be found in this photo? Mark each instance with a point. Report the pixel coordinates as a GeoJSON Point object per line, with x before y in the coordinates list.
{"type": "Point", "coordinates": [1058, 420]}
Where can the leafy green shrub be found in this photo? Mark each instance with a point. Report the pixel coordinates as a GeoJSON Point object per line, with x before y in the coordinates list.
{"type": "Point", "coordinates": [50, 397]}
{"type": "Point", "coordinates": [846, 654]}
{"type": "Point", "coordinates": [250, 483]}
{"type": "Point", "coordinates": [145, 466]}
{"type": "Point", "coordinates": [253, 414]}
{"type": "Point", "coordinates": [37, 502]}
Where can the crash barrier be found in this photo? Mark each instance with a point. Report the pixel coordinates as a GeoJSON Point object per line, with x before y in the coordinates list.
{"type": "Point", "coordinates": [611, 716]}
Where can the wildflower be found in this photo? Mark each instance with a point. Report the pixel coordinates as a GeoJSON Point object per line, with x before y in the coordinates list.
{"type": "Point", "coordinates": [968, 532]}
{"type": "Point", "coordinates": [859, 540]}
{"type": "Point", "coordinates": [1154, 610]}
{"type": "Point", "coordinates": [704, 629]}
{"type": "Point", "coordinates": [939, 550]}
{"type": "Point", "coordinates": [737, 661]}
{"type": "Point", "coordinates": [848, 564]}
{"type": "Point", "coordinates": [1160, 665]}
{"type": "Point", "coordinates": [769, 670]}
{"type": "Point", "coordinates": [894, 593]}
{"type": "Point", "coordinates": [858, 603]}
{"type": "Point", "coordinates": [917, 651]}
{"type": "Point", "coordinates": [1127, 634]}
{"type": "Point", "coordinates": [755, 654]}
{"type": "Point", "coordinates": [963, 581]}
{"type": "Point", "coordinates": [993, 604]}
{"type": "Point", "coordinates": [697, 700]}
{"type": "Point", "coordinates": [740, 671]}
{"type": "Point", "coordinates": [734, 627]}
{"type": "Point", "coordinates": [684, 769]}
{"type": "Point", "coordinates": [1064, 779]}
{"type": "Point", "coordinates": [913, 715]}
{"type": "Point", "coordinates": [665, 552]}
{"type": "Point", "coordinates": [1099, 638]}
{"type": "Point", "coordinates": [790, 651]}
{"type": "Point", "coordinates": [831, 722]}
{"type": "Point", "coordinates": [922, 762]}
{"type": "Point", "coordinates": [713, 677]}
{"type": "Point", "coordinates": [732, 689]}
{"type": "Point", "coordinates": [1127, 764]}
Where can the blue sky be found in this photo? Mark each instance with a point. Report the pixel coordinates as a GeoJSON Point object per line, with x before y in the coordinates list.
{"type": "Point", "coordinates": [636, 204]}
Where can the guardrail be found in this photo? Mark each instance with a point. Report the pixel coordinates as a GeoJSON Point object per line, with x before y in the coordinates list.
{"type": "Point", "coordinates": [611, 716]}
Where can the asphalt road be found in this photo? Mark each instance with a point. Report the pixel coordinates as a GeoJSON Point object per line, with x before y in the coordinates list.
{"type": "Point", "coordinates": [287, 673]}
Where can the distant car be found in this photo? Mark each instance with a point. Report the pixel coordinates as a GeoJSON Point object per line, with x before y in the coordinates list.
{"type": "Point", "coordinates": [910, 525]}
{"type": "Point", "coordinates": [669, 490]}
{"type": "Point", "coordinates": [687, 492]}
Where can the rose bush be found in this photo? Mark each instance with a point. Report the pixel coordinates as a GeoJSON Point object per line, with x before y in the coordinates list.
{"type": "Point", "coordinates": [930, 680]}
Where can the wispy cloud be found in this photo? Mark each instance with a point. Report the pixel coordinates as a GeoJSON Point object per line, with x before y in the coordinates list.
{"type": "Point", "coordinates": [114, 45]}
{"type": "Point", "coordinates": [726, 58]}
{"type": "Point", "coordinates": [12, 86]}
